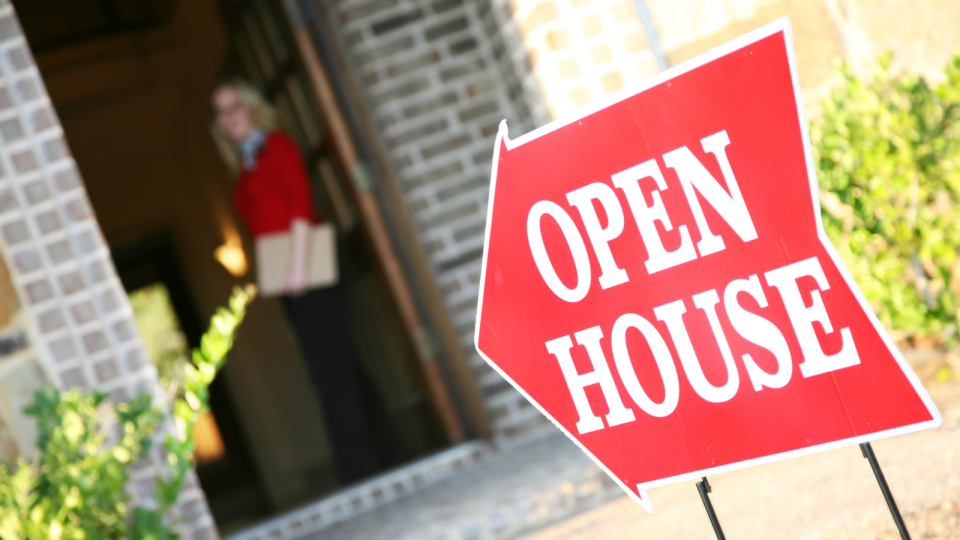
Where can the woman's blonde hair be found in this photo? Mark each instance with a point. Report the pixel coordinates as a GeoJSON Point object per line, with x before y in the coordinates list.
{"type": "Point", "coordinates": [262, 114]}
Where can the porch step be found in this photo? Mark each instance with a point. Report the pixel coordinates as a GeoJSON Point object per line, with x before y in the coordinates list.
{"type": "Point", "coordinates": [308, 520]}
{"type": "Point", "coordinates": [505, 495]}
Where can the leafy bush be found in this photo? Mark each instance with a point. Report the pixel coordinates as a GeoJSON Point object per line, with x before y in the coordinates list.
{"type": "Point", "coordinates": [74, 488]}
{"type": "Point", "coordinates": [887, 152]}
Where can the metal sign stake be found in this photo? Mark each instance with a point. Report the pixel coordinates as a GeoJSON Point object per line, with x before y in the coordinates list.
{"type": "Point", "coordinates": [704, 488]}
{"type": "Point", "coordinates": [867, 451]}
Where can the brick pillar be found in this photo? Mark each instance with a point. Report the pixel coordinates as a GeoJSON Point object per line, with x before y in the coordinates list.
{"type": "Point", "coordinates": [75, 308]}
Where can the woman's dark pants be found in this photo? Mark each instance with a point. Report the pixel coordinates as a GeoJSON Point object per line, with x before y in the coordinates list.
{"type": "Point", "coordinates": [319, 319]}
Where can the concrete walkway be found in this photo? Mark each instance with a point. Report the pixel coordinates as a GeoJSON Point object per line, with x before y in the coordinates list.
{"type": "Point", "coordinates": [503, 496]}
{"type": "Point", "coordinates": [549, 490]}
{"type": "Point", "coordinates": [832, 495]}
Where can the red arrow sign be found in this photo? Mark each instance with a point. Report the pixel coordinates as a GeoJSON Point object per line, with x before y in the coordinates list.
{"type": "Point", "coordinates": [657, 281]}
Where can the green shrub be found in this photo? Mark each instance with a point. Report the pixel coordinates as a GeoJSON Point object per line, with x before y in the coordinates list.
{"type": "Point", "coordinates": [887, 151]}
{"type": "Point", "coordinates": [74, 488]}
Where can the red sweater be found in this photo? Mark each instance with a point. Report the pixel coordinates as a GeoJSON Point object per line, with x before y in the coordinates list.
{"type": "Point", "coordinates": [276, 191]}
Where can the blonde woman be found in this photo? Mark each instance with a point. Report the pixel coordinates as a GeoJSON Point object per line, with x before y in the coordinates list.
{"type": "Point", "coordinates": [272, 195]}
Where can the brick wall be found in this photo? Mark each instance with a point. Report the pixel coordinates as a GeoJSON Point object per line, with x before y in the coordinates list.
{"type": "Point", "coordinates": [584, 50]}
{"type": "Point", "coordinates": [60, 267]}
{"type": "Point", "coordinates": [921, 34]}
{"type": "Point", "coordinates": [514, 61]}
{"type": "Point", "coordinates": [438, 76]}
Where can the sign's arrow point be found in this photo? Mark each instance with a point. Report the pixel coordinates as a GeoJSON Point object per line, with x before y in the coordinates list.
{"type": "Point", "coordinates": [503, 134]}
{"type": "Point", "coordinates": [644, 500]}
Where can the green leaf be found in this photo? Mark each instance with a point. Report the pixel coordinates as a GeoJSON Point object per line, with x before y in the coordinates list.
{"type": "Point", "coordinates": [887, 155]}
{"type": "Point", "coordinates": [75, 490]}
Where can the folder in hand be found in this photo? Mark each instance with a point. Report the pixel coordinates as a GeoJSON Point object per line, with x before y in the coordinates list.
{"type": "Point", "coordinates": [273, 259]}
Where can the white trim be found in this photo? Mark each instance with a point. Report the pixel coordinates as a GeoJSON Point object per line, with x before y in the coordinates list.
{"type": "Point", "coordinates": [780, 25]}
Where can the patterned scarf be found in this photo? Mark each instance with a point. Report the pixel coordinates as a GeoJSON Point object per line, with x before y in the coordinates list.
{"type": "Point", "coordinates": [250, 149]}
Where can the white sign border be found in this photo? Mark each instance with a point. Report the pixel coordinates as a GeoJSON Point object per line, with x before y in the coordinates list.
{"type": "Point", "coordinates": [780, 25]}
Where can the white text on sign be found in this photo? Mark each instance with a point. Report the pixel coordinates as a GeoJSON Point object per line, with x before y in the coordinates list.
{"type": "Point", "coordinates": [694, 177]}
{"type": "Point", "coordinates": [730, 206]}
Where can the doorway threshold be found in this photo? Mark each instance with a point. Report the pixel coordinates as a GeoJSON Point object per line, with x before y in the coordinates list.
{"type": "Point", "coordinates": [360, 498]}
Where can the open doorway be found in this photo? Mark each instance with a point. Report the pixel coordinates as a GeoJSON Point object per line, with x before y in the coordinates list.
{"type": "Point", "coordinates": [387, 332]}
